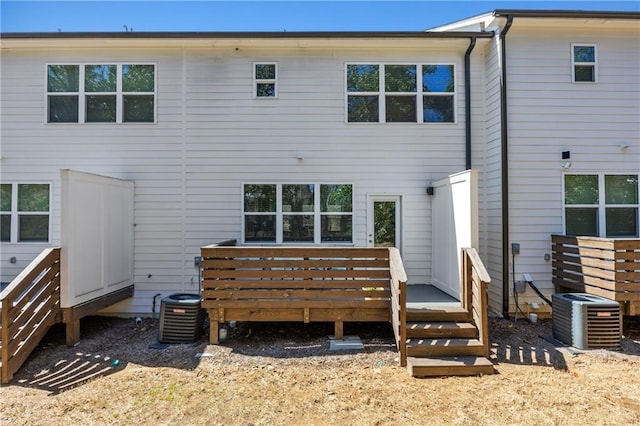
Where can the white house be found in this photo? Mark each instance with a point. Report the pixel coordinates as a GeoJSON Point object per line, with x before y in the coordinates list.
{"type": "Point", "coordinates": [302, 138]}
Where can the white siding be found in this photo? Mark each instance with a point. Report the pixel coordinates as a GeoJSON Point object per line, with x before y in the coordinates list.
{"type": "Point", "coordinates": [548, 114]}
{"type": "Point", "coordinates": [212, 135]}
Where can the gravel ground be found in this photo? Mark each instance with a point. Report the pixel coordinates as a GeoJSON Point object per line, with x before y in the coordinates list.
{"type": "Point", "coordinates": [283, 373]}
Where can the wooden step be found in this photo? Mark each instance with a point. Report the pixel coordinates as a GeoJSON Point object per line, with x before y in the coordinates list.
{"type": "Point", "coordinates": [441, 329]}
{"type": "Point", "coordinates": [444, 347]}
{"type": "Point", "coordinates": [449, 366]}
{"type": "Point", "coordinates": [438, 313]}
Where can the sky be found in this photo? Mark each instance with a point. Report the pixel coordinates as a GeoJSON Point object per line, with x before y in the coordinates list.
{"type": "Point", "coordinates": [261, 15]}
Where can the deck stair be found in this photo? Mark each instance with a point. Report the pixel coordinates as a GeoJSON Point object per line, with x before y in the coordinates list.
{"type": "Point", "coordinates": [448, 339]}
{"type": "Point", "coordinates": [444, 342]}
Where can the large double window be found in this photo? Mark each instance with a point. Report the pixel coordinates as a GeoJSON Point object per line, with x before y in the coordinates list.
{"type": "Point", "coordinates": [25, 209]}
{"type": "Point", "coordinates": [601, 205]}
{"type": "Point", "coordinates": [400, 93]}
{"type": "Point", "coordinates": [101, 93]}
{"type": "Point", "coordinates": [297, 213]}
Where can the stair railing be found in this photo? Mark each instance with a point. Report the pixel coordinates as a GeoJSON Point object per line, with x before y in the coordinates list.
{"type": "Point", "coordinates": [29, 306]}
{"type": "Point", "coordinates": [475, 280]}
{"type": "Point", "coordinates": [398, 302]}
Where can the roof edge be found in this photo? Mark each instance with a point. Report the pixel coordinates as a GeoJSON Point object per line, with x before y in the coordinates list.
{"type": "Point", "coordinates": [520, 13]}
{"type": "Point", "coordinates": [243, 34]}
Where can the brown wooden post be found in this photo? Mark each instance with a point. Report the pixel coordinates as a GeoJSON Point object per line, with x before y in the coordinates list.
{"type": "Point", "coordinates": [214, 331]}
{"type": "Point", "coordinates": [339, 330]}
{"type": "Point", "coordinates": [5, 375]}
{"type": "Point", "coordinates": [73, 332]}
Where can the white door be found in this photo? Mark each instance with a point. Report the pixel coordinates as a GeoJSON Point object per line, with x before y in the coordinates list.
{"type": "Point", "coordinates": [383, 221]}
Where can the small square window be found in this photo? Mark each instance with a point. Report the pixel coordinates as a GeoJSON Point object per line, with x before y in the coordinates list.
{"type": "Point", "coordinates": [265, 77]}
{"type": "Point", "coordinates": [584, 63]}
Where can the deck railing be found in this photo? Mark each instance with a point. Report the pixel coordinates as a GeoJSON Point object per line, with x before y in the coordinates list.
{"type": "Point", "coordinates": [475, 280]}
{"type": "Point", "coordinates": [398, 303]}
{"type": "Point", "coordinates": [30, 305]}
{"type": "Point", "coordinates": [603, 267]}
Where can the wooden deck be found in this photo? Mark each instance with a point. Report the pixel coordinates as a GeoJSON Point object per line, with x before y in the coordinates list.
{"type": "Point", "coordinates": [337, 285]}
{"type": "Point", "coordinates": [30, 305]}
{"type": "Point", "coordinates": [306, 284]}
{"type": "Point", "coordinates": [604, 267]}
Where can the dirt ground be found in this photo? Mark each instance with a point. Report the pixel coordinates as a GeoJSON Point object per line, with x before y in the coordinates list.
{"type": "Point", "coordinates": [284, 373]}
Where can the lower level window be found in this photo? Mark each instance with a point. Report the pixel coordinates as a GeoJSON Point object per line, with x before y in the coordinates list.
{"type": "Point", "coordinates": [297, 213]}
{"type": "Point", "coordinates": [25, 211]}
{"type": "Point", "coordinates": [601, 205]}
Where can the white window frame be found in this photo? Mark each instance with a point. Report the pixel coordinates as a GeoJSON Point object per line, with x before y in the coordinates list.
{"type": "Point", "coordinates": [257, 81]}
{"type": "Point", "coordinates": [82, 94]}
{"type": "Point", "coordinates": [601, 207]}
{"type": "Point", "coordinates": [15, 214]}
{"type": "Point", "coordinates": [574, 63]}
{"type": "Point", "coordinates": [419, 93]}
{"type": "Point", "coordinates": [279, 215]}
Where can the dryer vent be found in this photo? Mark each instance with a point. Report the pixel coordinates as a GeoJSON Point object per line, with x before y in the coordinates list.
{"type": "Point", "coordinates": [181, 318]}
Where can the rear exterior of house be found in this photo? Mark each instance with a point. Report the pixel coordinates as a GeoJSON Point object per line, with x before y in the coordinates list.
{"type": "Point", "coordinates": [291, 139]}
{"type": "Point", "coordinates": [267, 139]}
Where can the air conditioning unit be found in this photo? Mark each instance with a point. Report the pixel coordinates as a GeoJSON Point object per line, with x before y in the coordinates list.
{"type": "Point", "coordinates": [586, 321]}
{"type": "Point", "coordinates": [181, 318]}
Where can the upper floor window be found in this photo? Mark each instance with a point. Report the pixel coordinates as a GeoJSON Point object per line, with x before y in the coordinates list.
{"type": "Point", "coordinates": [601, 205]}
{"type": "Point", "coordinates": [400, 93]}
{"type": "Point", "coordinates": [584, 65]}
{"type": "Point", "coordinates": [297, 213]}
{"type": "Point", "coordinates": [25, 210]}
{"type": "Point", "coordinates": [264, 80]}
{"type": "Point", "coordinates": [101, 93]}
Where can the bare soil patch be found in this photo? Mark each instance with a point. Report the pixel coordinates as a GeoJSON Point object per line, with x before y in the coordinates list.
{"type": "Point", "coordinates": [286, 374]}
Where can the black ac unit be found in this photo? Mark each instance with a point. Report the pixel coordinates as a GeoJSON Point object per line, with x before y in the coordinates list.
{"type": "Point", "coordinates": [181, 318]}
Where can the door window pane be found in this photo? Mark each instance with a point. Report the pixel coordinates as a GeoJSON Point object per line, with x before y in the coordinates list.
{"type": "Point", "coordinates": [621, 189]}
{"type": "Point", "coordinates": [384, 218]}
{"type": "Point", "coordinates": [581, 221]}
{"type": "Point", "coordinates": [622, 222]}
{"type": "Point", "coordinates": [581, 189]}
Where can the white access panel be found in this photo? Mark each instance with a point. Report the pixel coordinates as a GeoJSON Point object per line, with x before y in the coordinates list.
{"type": "Point", "coordinates": [96, 236]}
{"type": "Point", "coordinates": [454, 227]}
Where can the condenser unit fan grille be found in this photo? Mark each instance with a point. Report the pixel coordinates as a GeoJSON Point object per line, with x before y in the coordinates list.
{"type": "Point", "coordinates": [181, 318]}
{"type": "Point", "coordinates": [586, 321]}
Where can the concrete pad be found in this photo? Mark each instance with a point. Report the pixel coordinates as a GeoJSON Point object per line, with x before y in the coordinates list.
{"type": "Point", "coordinates": [349, 343]}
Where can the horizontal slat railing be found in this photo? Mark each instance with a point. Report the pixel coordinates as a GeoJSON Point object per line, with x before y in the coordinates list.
{"type": "Point", "coordinates": [30, 305]}
{"type": "Point", "coordinates": [295, 284]}
{"type": "Point", "coordinates": [603, 267]}
{"type": "Point", "coordinates": [399, 303]}
{"type": "Point", "coordinates": [475, 281]}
